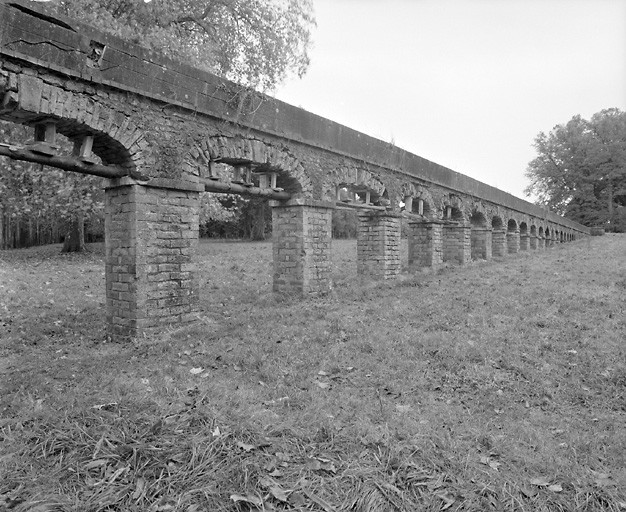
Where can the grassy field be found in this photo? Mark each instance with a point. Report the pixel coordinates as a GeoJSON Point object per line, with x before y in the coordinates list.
{"type": "Point", "coordinates": [497, 386]}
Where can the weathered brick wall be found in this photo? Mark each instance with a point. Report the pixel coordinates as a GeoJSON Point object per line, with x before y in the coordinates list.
{"type": "Point", "coordinates": [378, 244]}
{"type": "Point", "coordinates": [425, 240]}
{"type": "Point", "coordinates": [498, 245]}
{"type": "Point", "coordinates": [457, 243]}
{"type": "Point", "coordinates": [512, 241]}
{"type": "Point", "coordinates": [524, 242]}
{"type": "Point", "coordinates": [301, 238]}
{"type": "Point", "coordinates": [151, 238]}
{"type": "Point", "coordinates": [481, 243]}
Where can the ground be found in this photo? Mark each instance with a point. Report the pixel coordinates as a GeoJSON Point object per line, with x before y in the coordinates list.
{"type": "Point", "coordinates": [496, 386]}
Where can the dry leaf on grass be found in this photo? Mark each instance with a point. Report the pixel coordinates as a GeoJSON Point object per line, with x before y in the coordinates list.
{"type": "Point", "coordinates": [245, 447]}
{"type": "Point", "coordinates": [248, 498]}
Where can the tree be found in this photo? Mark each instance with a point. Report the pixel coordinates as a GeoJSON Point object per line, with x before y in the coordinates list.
{"type": "Point", "coordinates": [580, 170]}
{"type": "Point", "coordinates": [256, 43]}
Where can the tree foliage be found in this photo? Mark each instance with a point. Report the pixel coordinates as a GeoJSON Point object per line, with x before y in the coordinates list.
{"type": "Point", "coordinates": [580, 170]}
{"type": "Point", "coordinates": [256, 43]}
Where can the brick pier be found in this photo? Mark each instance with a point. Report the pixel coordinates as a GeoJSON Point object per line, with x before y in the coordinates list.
{"type": "Point", "coordinates": [378, 244]}
{"type": "Point", "coordinates": [481, 243]}
{"type": "Point", "coordinates": [457, 243]}
{"type": "Point", "coordinates": [498, 244]}
{"type": "Point", "coordinates": [513, 241]}
{"type": "Point", "coordinates": [425, 243]}
{"type": "Point", "coordinates": [301, 235]}
{"type": "Point", "coordinates": [151, 237]}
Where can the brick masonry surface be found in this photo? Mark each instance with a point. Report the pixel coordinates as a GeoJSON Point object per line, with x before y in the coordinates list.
{"type": "Point", "coordinates": [301, 244]}
{"type": "Point", "coordinates": [425, 240]}
{"type": "Point", "coordinates": [151, 238]}
{"type": "Point", "coordinates": [457, 243]}
{"type": "Point", "coordinates": [378, 245]}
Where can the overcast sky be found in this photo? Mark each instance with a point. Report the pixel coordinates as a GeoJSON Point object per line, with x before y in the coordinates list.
{"type": "Point", "coordinates": [467, 84]}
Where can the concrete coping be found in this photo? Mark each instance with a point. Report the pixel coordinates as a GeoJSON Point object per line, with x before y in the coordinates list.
{"type": "Point", "coordinates": [166, 183]}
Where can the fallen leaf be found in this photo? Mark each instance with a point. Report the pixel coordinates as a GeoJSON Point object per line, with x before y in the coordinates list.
{"type": "Point", "coordinates": [529, 492]}
{"type": "Point", "coordinates": [248, 498]}
{"type": "Point", "coordinates": [279, 493]}
{"type": "Point", "coordinates": [540, 481]}
{"type": "Point", "coordinates": [323, 385]}
{"type": "Point", "coordinates": [494, 465]}
{"type": "Point", "coordinates": [555, 488]}
{"type": "Point", "coordinates": [140, 485]}
{"type": "Point", "coordinates": [296, 499]}
{"type": "Point", "coordinates": [196, 371]}
{"type": "Point", "coordinates": [245, 447]}
{"type": "Point", "coordinates": [319, 502]}
{"type": "Point", "coordinates": [601, 479]}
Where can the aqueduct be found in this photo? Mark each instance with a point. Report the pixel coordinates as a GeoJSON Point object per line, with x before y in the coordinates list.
{"type": "Point", "coordinates": [160, 129]}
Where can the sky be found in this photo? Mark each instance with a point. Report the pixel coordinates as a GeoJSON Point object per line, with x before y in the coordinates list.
{"type": "Point", "coordinates": [467, 84]}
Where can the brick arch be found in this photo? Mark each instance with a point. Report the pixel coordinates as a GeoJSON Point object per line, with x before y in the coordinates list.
{"type": "Point", "coordinates": [523, 228]}
{"type": "Point", "coordinates": [355, 179]}
{"type": "Point", "coordinates": [478, 218]}
{"type": "Point", "coordinates": [261, 155]}
{"type": "Point", "coordinates": [496, 222]}
{"type": "Point", "coordinates": [456, 204]}
{"type": "Point", "coordinates": [420, 192]}
{"type": "Point", "coordinates": [512, 225]}
{"type": "Point", "coordinates": [117, 139]}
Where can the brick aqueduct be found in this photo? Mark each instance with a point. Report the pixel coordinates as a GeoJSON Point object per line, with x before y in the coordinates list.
{"type": "Point", "coordinates": [164, 132]}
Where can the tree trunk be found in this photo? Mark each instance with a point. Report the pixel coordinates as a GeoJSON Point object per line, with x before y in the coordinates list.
{"type": "Point", "coordinates": [610, 200]}
{"type": "Point", "coordinates": [75, 237]}
{"type": "Point", "coordinates": [258, 222]}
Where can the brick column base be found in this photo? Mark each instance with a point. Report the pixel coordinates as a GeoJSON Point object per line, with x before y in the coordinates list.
{"type": "Point", "coordinates": [151, 238]}
{"type": "Point", "coordinates": [425, 243]}
{"type": "Point", "coordinates": [378, 244]}
{"type": "Point", "coordinates": [524, 242]}
{"type": "Point", "coordinates": [301, 239]}
{"type": "Point", "coordinates": [533, 242]}
{"type": "Point", "coordinates": [512, 241]}
{"type": "Point", "coordinates": [457, 243]}
{"type": "Point", "coordinates": [481, 243]}
{"type": "Point", "coordinates": [498, 243]}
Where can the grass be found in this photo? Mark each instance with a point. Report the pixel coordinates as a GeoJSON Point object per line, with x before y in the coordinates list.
{"type": "Point", "coordinates": [497, 386]}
